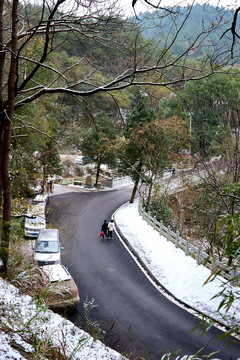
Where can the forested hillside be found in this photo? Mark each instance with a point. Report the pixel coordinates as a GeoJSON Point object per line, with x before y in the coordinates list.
{"type": "Point", "coordinates": [200, 16]}
{"type": "Point", "coordinates": [68, 75]}
{"type": "Point", "coordinates": [96, 53]}
{"type": "Point", "coordinates": [144, 96]}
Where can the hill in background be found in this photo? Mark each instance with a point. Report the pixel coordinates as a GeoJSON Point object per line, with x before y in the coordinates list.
{"type": "Point", "coordinates": [201, 17]}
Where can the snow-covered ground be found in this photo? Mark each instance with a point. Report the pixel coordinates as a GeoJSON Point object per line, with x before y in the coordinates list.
{"type": "Point", "coordinates": [20, 314]}
{"type": "Point", "coordinates": [178, 273]}
{"type": "Point", "coordinates": [175, 271]}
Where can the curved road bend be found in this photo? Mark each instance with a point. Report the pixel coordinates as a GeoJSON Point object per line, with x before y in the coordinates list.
{"type": "Point", "coordinates": [138, 319]}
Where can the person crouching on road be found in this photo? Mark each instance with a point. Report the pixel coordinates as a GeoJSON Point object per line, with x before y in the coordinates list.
{"type": "Point", "coordinates": [110, 229]}
{"type": "Point", "coordinates": [104, 228]}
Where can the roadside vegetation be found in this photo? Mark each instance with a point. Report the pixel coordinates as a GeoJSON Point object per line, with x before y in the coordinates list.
{"type": "Point", "coordinates": [97, 84]}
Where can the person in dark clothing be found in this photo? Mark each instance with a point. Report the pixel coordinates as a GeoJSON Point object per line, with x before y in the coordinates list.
{"type": "Point", "coordinates": [105, 228]}
{"type": "Point", "coordinates": [51, 186]}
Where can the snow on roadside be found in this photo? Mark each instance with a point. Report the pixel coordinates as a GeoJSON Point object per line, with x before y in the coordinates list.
{"type": "Point", "coordinates": [178, 273]}
{"type": "Point", "coordinates": [19, 313]}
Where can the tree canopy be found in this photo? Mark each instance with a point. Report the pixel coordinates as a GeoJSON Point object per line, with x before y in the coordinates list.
{"type": "Point", "coordinates": [99, 143]}
{"type": "Point", "coordinates": [37, 62]}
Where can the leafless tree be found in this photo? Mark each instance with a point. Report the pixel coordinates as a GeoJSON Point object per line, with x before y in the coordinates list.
{"type": "Point", "coordinates": [87, 20]}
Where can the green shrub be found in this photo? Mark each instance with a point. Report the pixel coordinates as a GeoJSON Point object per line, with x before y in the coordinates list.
{"type": "Point", "coordinates": [161, 208]}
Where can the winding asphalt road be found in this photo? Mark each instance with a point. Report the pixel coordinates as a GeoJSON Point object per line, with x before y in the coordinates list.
{"type": "Point", "coordinates": [137, 318]}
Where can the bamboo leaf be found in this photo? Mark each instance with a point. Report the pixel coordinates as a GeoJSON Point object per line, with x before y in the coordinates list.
{"type": "Point", "coordinates": [211, 275]}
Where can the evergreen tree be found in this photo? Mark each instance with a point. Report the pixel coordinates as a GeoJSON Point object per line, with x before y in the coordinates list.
{"type": "Point", "coordinates": [142, 113]}
{"type": "Point", "coordinates": [49, 159]}
{"type": "Point", "coordinates": [131, 156]}
{"type": "Point", "coordinates": [212, 103]}
{"type": "Point", "coordinates": [99, 143]}
{"type": "Point", "coordinates": [153, 146]}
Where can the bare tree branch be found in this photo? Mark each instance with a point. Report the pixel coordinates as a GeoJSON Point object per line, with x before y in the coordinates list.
{"type": "Point", "coordinates": [233, 30]}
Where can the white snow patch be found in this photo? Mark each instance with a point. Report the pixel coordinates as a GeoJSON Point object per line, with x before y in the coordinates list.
{"type": "Point", "coordinates": [178, 273]}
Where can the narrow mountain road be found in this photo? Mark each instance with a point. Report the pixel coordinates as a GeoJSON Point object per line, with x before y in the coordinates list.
{"type": "Point", "coordinates": [136, 317]}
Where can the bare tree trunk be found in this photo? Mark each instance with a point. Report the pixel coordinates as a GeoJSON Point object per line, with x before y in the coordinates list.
{"type": "Point", "coordinates": [1, 151]}
{"type": "Point", "coordinates": [6, 142]}
{"type": "Point", "coordinates": [134, 191]}
{"type": "Point", "coordinates": [139, 168]}
{"type": "Point", "coordinates": [6, 195]}
{"type": "Point", "coordinates": [149, 194]}
{"type": "Point", "coordinates": [2, 54]}
{"type": "Point", "coordinates": [235, 180]}
{"type": "Point", "coordinates": [44, 181]}
{"type": "Point", "coordinates": [2, 60]}
{"type": "Point", "coordinates": [98, 171]}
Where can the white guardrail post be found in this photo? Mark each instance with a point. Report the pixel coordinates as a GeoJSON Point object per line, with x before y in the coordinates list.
{"type": "Point", "coordinates": [199, 257]}
{"type": "Point", "coordinates": [177, 239]}
{"type": "Point", "coordinates": [168, 233]}
{"type": "Point", "coordinates": [139, 205]}
{"type": "Point", "coordinates": [154, 223]}
{"type": "Point", "coordinates": [148, 218]}
{"type": "Point", "coordinates": [187, 247]}
{"type": "Point", "coordinates": [196, 252]}
{"type": "Point", "coordinates": [160, 228]}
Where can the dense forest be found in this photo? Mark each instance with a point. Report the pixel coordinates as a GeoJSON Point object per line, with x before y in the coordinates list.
{"type": "Point", "coordinates": [142, 96]}
{"type": "Point", "coordinates": [200, 14]}
{"type": "Point", "coordinates": [84, 61]}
